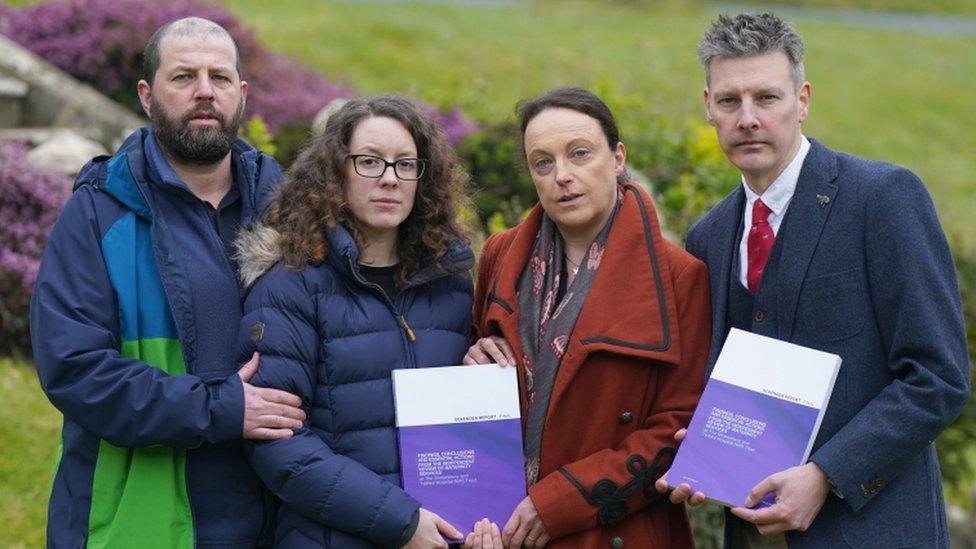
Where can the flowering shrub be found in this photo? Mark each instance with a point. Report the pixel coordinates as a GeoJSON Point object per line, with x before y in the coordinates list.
{"type": "Point", "coordinates": [503, 190]}
{"type": "Point", "coordinates": [454, 123]}
{"type": "Point", "coordinates": [30, 199]}
{"type": "Point", "coordinates": [687, 170]}
{"type": "Point", "coordinates": [101, 42]}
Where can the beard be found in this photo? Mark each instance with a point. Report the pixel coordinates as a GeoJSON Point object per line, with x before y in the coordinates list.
{"type": "Point", "coordinates": [195, 145]}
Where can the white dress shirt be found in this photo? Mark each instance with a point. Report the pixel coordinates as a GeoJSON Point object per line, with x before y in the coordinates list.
{"type": "Point", "coordinates": [777, 197]}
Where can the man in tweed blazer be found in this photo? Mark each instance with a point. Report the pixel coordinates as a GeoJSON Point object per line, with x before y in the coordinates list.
{"type": "Point", "coordinates": [843, 255]}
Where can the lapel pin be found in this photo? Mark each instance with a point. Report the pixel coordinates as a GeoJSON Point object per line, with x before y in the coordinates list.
{"type": "Point", "coordinates": [822, 199]}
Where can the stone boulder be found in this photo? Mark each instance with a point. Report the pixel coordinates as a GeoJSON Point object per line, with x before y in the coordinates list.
{"type": "Point", "coordinates": [66, 152]}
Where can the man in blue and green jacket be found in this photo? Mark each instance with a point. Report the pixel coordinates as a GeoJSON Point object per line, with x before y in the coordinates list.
{"type": "Point", "coordinates": [135, 314]}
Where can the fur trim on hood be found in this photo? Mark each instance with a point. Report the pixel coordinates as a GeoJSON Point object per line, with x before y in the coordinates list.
{"type": "Point", "coordinates": [256, 250]}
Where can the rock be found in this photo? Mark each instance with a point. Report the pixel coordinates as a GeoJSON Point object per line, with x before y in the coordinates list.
{"type": "Point", "coordinates": [640, 179]}
{"type": "Point", "coordinates": [321, 117]}
{"type": "Point", "coordinates": [55, 99]}
{"type": "Point", "coordinates": [66, 152]}
{"type": "Point", "coordinates": [12, 96]}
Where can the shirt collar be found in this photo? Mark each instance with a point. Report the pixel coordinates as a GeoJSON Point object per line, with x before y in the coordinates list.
{"type": "Point", "coordinates": [778, 195]}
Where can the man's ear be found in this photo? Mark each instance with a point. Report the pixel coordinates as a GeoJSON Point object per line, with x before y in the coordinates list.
{"type": "Point", "coordinates": [804, 96]}
{"type": "Point", "coordinates": [708, 108]}
{"type": "Point", "coordinates": [144, 90]}
{"type": "Point", "coordinates": [243, 93]}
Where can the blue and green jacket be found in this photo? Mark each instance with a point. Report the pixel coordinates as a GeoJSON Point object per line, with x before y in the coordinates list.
{"type": "Point", "coordinates": [151, 442]}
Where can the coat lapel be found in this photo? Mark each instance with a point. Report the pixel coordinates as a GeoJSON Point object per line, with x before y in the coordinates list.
{"type": "Point", "coordinates": [614, 317]}
{"type": "Point", "coordinates": [802, 227]}
{"type": "Point", "coordinates": [630, 309]}
{"type": "Point", "coordinates": [502, 309]}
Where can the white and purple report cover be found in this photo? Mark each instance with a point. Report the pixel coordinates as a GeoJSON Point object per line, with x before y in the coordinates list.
{"type": "Point", "coordinates": [460, 436]}
{"type": "Point", "coordinates": [759, 415]}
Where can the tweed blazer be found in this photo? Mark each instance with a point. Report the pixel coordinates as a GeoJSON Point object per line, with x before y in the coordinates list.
{"type": "Point", "coordinates": [865, 272]}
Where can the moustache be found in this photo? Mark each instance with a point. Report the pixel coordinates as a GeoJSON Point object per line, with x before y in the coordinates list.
{"type": "Point", "coordinates": [207, 110]}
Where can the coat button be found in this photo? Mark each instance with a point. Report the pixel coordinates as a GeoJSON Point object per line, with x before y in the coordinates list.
{"type": "Point", "coordinates": [617, 542]}
{"type": "Point", "coordinates": [760, 315]}
{"type": "Point", "coordinates": [626, 417]}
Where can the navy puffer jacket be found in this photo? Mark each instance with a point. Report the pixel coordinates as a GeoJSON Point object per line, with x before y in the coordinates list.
{"type": "Point", "coordinates": [327, 335]}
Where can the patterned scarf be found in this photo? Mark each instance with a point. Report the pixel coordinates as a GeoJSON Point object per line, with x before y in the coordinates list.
{"type": "Point", "coordinates": [545, 325]}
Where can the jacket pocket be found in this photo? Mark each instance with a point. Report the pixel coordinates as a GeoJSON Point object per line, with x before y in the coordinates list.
{"type": "Point", "coordinates": [832, 306]}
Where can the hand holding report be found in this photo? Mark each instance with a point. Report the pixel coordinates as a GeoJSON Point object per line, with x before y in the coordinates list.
{"type": "Point", "coordinates": [800, 493]}
{"type": "Point", "coordinates": [759, 415]}
{"type": "Point", "coordinates": [460, 436]}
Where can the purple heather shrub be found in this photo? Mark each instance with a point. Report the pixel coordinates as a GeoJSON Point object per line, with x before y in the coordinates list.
{"type": "Point", "coordinates": [454, 123]}
{"type": "Point", "coordinates": [101, 42]}
{"type": "Point", "coordinates": [30, 200]}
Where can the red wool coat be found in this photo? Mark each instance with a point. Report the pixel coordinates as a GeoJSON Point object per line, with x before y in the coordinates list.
{"type": "Point", "coordinates": [631, 376]}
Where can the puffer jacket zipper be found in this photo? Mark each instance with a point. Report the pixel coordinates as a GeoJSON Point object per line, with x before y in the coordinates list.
{"type": "Point", "coordinates": [407, 335]}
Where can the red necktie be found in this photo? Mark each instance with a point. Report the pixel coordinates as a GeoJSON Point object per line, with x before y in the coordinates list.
{"type": "Point", "coordinates": [761, 239]}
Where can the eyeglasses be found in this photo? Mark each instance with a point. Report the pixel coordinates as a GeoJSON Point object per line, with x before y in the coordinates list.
{"type": "Point", "coordinates": [407, 169]}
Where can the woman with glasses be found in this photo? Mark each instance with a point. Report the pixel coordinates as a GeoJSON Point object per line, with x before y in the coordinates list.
{"type": "Point", "coordinates": [608, 324]}
{"type": "Point", "coordinates": [359, 268]}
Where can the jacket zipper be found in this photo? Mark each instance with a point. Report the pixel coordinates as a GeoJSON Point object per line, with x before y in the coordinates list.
{"type": "Point", "coordinates": [157, 229]}
{"type": "Point", "coordinates": [406, 328]}
{"type": "Point", "coordinates": [406, 331]}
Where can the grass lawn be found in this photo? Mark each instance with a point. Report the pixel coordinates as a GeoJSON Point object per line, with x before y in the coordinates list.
{"type": "Point", "coordinates": [905, 98]}
{"type": "Point", "coordinates": [29, 434]}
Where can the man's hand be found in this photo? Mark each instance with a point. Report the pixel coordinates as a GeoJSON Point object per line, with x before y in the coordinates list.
{"type": "Point", "coordinates": [269, 414]}
{"type": "Point", "coordinates": [800, 493]}
{"type": "Point", "coordinates": [431, 531]}
{"type": "Point", "coordinates": [486, 535]}
{"type": "Point", "coordinates": [681, 494]}
{"type": "Point", "coordinates": [524, 528]}
{"type": "Point", "coordinates": [490, 349]}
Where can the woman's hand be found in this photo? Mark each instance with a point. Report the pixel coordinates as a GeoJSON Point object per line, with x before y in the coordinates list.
{"type": "Point", "coordinates": [490, 349]}
{"type": "Point", "coordinates": [525, 527]}
{"type": "Point", "coordinates": [431, 531]}
{"type": "Point", "coordinates": [683, 493]}
{"type": "Point", "coordinates": [486, 535]}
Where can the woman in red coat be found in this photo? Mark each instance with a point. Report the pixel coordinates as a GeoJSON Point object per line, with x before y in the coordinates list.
{"type": "Point", "coordinates": [608, 324]}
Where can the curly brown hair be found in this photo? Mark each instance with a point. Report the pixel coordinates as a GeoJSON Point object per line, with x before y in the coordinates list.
{"type": "Point", "coordinates": [312, 198]}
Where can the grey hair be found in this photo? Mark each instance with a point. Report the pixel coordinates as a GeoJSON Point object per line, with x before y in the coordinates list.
{"type": "Point", "coordinates": [750, 34]}
{"type": "Point", "coordinates": [188, 26]}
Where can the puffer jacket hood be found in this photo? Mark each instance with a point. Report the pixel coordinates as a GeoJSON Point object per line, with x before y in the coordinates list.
{"type": "Point", "coordinates": [259, 249]}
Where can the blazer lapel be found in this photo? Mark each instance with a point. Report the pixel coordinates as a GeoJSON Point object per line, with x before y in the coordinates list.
{"type": "Point", "coordinates": [726, 240]}
{"type": "Point", "coordinates": [802, 227]}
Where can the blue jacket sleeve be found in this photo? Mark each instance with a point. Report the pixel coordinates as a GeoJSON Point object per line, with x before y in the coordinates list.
{"type": "Point", "coordinates": [918, 311]}
{"type": "Point", "coordinates": [332, 489]}
{"type": "Point", "coordinates": [74, 334]}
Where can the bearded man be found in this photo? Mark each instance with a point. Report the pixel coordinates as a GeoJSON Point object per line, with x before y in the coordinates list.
{"type": "Point", "coordinates": [135, 314]}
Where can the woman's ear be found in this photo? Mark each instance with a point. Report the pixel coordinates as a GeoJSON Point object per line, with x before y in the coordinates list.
{"type": "Point", "coordinates": [620, 158]}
